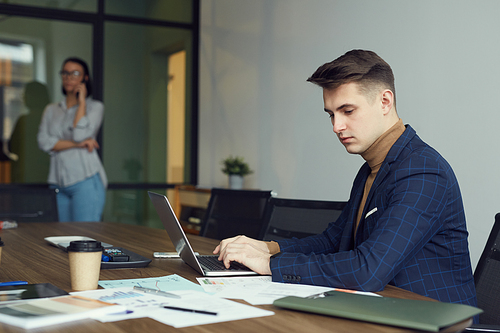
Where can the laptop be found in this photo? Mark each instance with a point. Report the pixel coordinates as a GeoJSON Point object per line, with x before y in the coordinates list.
{"type": "Point", "coordinates": [206, 265]}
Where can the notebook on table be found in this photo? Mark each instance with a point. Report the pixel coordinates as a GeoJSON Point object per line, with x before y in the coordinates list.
{"type": "Point", "coordinates": [206, 265]}
{"type": "Point", "coordinates": [414, 314]}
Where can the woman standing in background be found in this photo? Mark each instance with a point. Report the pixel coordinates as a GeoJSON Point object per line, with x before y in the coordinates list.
{"type": "Point", "coordinates": [68, 133]}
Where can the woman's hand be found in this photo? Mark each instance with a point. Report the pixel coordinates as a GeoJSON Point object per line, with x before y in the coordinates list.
{"type": "Point", "coordinates": [90, 144]}
{"type": "Point", "coordinates": [81, 91]}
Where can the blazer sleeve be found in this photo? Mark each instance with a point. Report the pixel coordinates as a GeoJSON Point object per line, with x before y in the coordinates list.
{"type": "Point", "coordinates": [410, 204]}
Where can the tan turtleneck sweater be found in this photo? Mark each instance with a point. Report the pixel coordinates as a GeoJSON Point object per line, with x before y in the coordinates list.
{"type": "Point", "coordinates": [374, 156]}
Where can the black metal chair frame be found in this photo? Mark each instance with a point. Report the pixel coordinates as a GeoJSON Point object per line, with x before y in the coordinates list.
{"type": "Point", "coordinates": [248, 195]}
{"type": "Point", "coordinates": [490, 255]}
{"type": "Point", "coordinates": [280, 233]}
{"type": "Point", "coordinates": [19, 203]}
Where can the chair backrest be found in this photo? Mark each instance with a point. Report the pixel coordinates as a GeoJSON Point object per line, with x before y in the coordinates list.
{"type": "Point", "coordinates": [234, 212]}
{"type": "Point", "coordinates": [287, 218]}
{"type": "Point", "coordinates": [26, 203]}
{"type": "Point", "coordinates": [487, 278]}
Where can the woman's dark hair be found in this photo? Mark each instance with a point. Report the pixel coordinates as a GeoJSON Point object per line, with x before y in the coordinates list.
{"type": "Point", "coordinates": [88, 83]}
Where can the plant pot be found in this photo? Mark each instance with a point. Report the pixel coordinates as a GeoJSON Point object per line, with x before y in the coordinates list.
{"type": "Point", "coordinates": [235, 182]}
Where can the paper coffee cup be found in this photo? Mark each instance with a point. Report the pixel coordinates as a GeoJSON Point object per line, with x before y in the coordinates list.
{"type": "Point", "coordinates": [84, 264]}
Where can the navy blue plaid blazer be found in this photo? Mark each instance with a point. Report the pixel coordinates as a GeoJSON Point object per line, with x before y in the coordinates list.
{"type": "Point", "coordinates": [412, 233]}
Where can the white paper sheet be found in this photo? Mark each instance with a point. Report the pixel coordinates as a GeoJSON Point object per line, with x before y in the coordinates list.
{"type": "Point", "coordinates": [164, 283]}
{"type": "Point", "coordinates": [227, 310]}
{"type": "Point", "coordinates": [140, 305]}
{"type": "Point", "coordinates": [260, 290]}
{"type": "Point", "coordinates": [215, 285]}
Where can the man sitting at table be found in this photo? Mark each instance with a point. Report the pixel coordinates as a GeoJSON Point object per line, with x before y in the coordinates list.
{"type": "Point", "coordinates": [404, 223]}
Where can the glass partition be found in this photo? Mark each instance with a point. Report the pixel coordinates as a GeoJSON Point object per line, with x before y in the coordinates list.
{"type": "Point", "coordinates": [79, 5]}
{"type": "Point", "coordinates": [131, 206]}
{"type": "Point", "coordinates": [167, 10]}
{"type": "Point", "coordinates": [31, 54]}
{"type": "Point", "coordinates": [138, 86]}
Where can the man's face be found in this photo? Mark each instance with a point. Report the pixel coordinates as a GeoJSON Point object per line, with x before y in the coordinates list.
{"type": "Point", "coordinates": [358, 122]}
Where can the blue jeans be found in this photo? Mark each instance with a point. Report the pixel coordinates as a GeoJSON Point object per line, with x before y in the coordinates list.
{"type": "Point", "coordinates": [83, 201]}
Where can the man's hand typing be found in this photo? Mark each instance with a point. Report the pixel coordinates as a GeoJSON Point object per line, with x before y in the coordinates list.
{"type": "Point", "coordinates": [250, 252]}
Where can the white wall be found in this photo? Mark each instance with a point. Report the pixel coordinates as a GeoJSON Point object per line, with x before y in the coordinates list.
{"type": "Point", "coordinates": [255, 101]}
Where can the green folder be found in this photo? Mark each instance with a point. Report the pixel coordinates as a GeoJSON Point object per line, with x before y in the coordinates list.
{"type": "Point", "coordinates": [414, 314]}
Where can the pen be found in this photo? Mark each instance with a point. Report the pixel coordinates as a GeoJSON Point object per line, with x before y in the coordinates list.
{"type": "Point", "coordinates": [157, 292]}
{"type": "Point", "coordinates": [12, 283]}
{"type": "Point", "coordinates": [124, 312]}
{"type": "Point", "coordinates": [190, 310]}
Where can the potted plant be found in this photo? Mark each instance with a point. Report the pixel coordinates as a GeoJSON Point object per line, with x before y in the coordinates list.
{"type": "Point", "coordinates": [236, 168]}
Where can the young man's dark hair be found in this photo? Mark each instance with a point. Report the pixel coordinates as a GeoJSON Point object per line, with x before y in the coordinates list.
{"type": "Point", "coordinates": [365, 68]}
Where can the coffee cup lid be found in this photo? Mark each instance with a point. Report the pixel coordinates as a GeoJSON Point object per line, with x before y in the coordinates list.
{"type": "Point", "coordinates": [85, 246]}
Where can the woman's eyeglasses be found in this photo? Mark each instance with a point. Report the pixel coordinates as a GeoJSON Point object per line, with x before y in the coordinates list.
{"type": "Point", "coordinates": [72, 75]}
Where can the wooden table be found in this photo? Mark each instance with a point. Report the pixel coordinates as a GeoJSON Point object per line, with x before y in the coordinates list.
{"type": "Point", "coordinates": [27, 256]}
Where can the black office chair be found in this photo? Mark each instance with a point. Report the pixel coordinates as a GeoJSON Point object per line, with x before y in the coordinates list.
{"type": "Point", "coordinates": [234, 212]}
{"type": "Point", "coordinates": [287, 218]}
{"type": "Point", "coordinates": [28, 203]}
{"type": "Point", "coordinates": [487, 280]}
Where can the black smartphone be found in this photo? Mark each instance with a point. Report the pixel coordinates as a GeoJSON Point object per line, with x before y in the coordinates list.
{"type": "Point", "coordinates": [78, 94]}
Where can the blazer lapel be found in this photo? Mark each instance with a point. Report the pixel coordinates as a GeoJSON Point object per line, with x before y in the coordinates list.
{"type": "Point", "coordinates": [356, 196]}
{"type": "Point", "coordinates": [391, 157]}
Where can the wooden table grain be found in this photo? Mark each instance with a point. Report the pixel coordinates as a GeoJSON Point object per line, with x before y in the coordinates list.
{"type": "Point", "coordinates": [27, 256]}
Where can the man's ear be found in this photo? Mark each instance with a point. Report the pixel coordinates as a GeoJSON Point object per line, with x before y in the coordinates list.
{"type": "Point", "coordinates": [387, 100]}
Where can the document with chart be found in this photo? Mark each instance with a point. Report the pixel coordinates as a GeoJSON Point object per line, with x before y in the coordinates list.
{"type": "Point", "coordinates": [190, 309]}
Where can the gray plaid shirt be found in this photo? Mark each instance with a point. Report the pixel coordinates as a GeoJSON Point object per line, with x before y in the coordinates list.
{"type": "Point", "coordinates": [70, 166]}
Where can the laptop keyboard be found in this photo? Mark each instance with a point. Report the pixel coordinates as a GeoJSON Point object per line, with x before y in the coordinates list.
{"type": "Point", "coordinates": [213, 264]}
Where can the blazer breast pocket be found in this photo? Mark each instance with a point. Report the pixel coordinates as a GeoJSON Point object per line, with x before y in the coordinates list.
{"type": "Point", "coordinates": [371, 212]}
{"type": "Point", "coordinates": [370, 220]}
